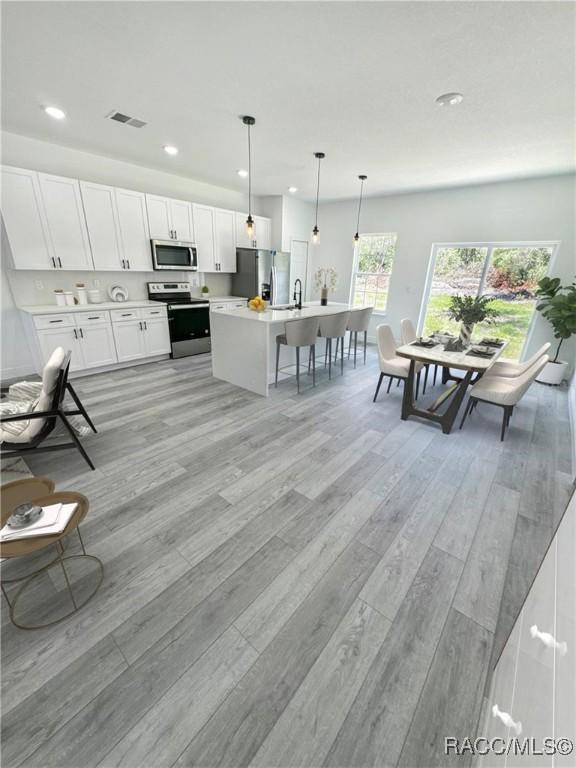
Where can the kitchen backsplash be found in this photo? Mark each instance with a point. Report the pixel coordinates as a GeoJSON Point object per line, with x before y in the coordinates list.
{"type": "Point", "coordinates": [32, 288]}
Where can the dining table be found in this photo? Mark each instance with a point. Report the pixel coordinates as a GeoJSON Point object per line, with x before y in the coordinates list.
{"type": "Point", "coordinates": [472, 364]}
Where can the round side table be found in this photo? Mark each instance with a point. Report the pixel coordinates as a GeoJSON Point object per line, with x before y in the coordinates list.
{"type": "Point", "coordinates": [41, 492]}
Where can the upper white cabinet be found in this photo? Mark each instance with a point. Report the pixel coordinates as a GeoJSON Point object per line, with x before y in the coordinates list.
{"type": "Point", "coordinates": [24, 219]}
{"type": "Point", "coordinates": [117, 226]}
{"type": "Point", "coordinates": [170, 219]}
{"type": "Point", "coordinates": [133, 227]}
{"type": "Point", "coordinates": [204, 230]}
{"type": "Point", "coordinates": [215, 239]}
{"type": "Point", "coordinates": [67, 231]}
{"type": "Point", "coordinates": [224, 240]}
{"type": "Point", "coordinates": [262, 237]}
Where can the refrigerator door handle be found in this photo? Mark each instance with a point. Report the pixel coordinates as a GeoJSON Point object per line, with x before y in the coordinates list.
{"type": "Point", "coordinates": [273, 278]}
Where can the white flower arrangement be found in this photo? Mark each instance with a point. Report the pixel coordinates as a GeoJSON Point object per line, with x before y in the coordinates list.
{"type": "Point", "coordinates": [326, 277]}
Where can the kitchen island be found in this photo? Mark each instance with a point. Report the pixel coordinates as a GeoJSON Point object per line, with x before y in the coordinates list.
{"type": "Point", "coordinates": [244, 343]}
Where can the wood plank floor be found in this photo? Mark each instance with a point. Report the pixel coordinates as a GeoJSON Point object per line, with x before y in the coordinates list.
{"type": "Point", "coordinates": [298, 581]}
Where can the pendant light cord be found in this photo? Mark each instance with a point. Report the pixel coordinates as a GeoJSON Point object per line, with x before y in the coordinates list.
{"type": "Point", "coordinates": [317, 191]}
{"type": "Point", "coordinates": [249, 174]}
{"type": "Point", "coordinates": [359, 205]}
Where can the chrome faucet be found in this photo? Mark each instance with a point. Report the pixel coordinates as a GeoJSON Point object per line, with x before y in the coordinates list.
{"type": "Point", "coordinates": [298, 293]}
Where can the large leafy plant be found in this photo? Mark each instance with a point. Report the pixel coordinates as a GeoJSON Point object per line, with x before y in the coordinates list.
{"type": "Point", "coordinates": [558, 306]}
{"type": "Point", "coordinates": [472, 309]}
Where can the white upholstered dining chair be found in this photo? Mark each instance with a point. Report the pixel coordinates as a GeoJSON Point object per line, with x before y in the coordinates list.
{"type": "Point", "coordinates": [503, 391]}
{"type": "Point", "coordinates": [511, 368]}
{"type": "Point", "coordinates": [408, 335]}
{"type": "Point", "coordinates": [390, 364]}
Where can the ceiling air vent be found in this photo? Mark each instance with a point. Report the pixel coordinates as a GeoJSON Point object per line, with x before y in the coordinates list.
{"type": "Point", "coordinates": [120, 117]}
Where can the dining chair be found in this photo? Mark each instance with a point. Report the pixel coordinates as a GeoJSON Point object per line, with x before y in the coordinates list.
{"type": "Point", "coordinates": [390, 364]}
{"type": "Point", "coordinates": [358, 322]}
{"type": "Point", "coordinates": [503, 391]}
{"type": "Point", "coordinates": [334, 327]}
{"type": "Point", "coordinates": [302, 332]}
{"type": "Point", "coordinates": [511, 368]}
{"type": "Point", "coordinates": [408, 335]}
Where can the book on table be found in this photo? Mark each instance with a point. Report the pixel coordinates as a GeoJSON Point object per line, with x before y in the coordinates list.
{"type": "Point", "coordinates": [52, 521]}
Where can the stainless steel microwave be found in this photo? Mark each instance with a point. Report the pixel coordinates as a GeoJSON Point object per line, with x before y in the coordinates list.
{"type": "Point", "coordinates": [174, 254]}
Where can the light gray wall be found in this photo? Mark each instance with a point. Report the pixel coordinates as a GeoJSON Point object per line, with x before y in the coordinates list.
{"type": "Point", "coordinates": [531, 209]}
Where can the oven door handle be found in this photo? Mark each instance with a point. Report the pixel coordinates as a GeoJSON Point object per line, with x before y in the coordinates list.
{"type": "Point", "coordinates": [174, 307]}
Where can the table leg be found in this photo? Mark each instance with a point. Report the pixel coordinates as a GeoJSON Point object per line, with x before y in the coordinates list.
{"type": "Point", "coordinates": [408, 394]}
{"type": "Point", "coordinates": [448, 418]}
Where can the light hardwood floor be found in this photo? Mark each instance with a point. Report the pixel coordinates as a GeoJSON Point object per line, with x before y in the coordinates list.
{"type": "Point", "coordinates": [298, 581]}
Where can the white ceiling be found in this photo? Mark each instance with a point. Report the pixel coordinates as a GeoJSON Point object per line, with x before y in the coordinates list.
{"type": "Point", "coordinates": [355, 80]}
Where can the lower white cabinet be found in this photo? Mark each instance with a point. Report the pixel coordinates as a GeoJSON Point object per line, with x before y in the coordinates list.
{"type": "Point", "coordinates": [102, 338]}
{"type": "Point", "coordinates": [140, 333]}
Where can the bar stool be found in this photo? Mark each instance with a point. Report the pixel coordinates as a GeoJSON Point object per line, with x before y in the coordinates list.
{"type": "Point", "coordinates": [299, 333]}
{"type": "Point", "coordinates": [334, 327]}
{"type": "Point", "coordinates": [358, 322]}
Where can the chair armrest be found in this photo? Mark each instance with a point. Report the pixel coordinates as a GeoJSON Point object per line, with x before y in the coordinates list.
{"type": "Point", "coordinates": [26, 416]}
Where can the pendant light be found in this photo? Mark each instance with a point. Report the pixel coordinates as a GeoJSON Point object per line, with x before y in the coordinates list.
{"type": "Point", "coordinates": [249, 122]}
{"type": "Point", "coordinates": [362, 178]}
{"type": "Point", "coordinates": [316, 232]}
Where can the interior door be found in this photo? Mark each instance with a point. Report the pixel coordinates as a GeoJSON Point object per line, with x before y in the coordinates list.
{"type": "Point", "coordinates": [133, 228]}
{"type": "Point", "coordinates": [299, 264]}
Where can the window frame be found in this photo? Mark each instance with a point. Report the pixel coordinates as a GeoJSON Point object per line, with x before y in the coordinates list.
{"type": "Point", "coordinates": [380, 312]}
{"type": "Point", "coordinates": [491, 246]}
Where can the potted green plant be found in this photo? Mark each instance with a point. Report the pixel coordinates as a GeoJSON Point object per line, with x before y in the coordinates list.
{"type": "Point", "coordinates": [205, 290]}
{"type": "Point", "coordinates": [558, 306]}
{"type": "Point", "coordinates": [469, 310]}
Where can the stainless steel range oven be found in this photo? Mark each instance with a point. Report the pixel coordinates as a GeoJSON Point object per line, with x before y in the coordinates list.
{"type": "Point", "coordinates": [188, 317]}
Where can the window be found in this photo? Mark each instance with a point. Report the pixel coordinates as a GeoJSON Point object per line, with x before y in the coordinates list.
{"type": "Point", "coordinates": [374, 260]}
{"type": "Point", "coordinates": [508, 272]}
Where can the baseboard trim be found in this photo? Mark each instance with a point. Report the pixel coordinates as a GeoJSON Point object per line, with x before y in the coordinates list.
{"type": "Point", "coordinates": [116, 366]}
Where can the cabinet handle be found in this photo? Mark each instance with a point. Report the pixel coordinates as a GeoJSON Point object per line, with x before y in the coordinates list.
{"type": "Point", "coordinates": [54, 321]}
{"type": "Point", "coordinates": [140, 324]}
{"type": "Point", "coordinates": [175, 235]}
{"type": "Point", "coordinates": [507, 719]}
{"type": "Point", "coordinates": [123, 264]}
{"type": "Point", "coordinates": [128, 262]}
{"type": "Point", "coordinates": [126, 314]}
{"type": "Point", "coordinates": [145, 325]}
{"type": "Point", "coordinates": [94, 317]}
{"type": "Point", "coordinates": [75, 333]}
{"type": "Point", "coordinates": [548, 640]}
{"type": "Point", "coordinates": [59, 262]}
{"type": "Point", "coordinates": [81, 333]}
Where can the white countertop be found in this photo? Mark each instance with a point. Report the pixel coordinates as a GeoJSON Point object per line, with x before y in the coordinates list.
{"type": "Point", "coordinates": [310, 309]}
{"type": "Point", "coordinates": [51, 309]}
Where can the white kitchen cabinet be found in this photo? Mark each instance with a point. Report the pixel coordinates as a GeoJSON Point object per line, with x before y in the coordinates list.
{"type": "Point", "coordinates": [263, 232]}
{"type": "Point", "coordinates": [96, 342]}
{"type": "Point", "coordinates": [117, 227]}
{"type": "Point", "coordinates": [133, 229]}
{"type": "Point", "coordinates": [262, 237]}
{"type": "Point", "coordinates": [204, 230]}
{"type": "Point", "coordinates": [66, 337]}
{"type": "Point", "coordinates": [25, 220]}
{"type": "Point", "coordinates": [67, 231]}
{"type": "Point", "coordinates": [102, 223]}
{"type": "Point", "coordinates": [224, 240]}
{"type": "Point", "coordinates": [156, 336]}
{"type": "Point", "coordinates": [169, 219]}
{"type": "Point", "coordinates": [129, 338]}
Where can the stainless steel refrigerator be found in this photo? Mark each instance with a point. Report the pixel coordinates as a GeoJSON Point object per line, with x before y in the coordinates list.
{"type": "Point", "coordinates": [262, 273]}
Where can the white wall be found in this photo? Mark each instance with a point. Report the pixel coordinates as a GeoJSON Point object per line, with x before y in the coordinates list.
{"type": "Point", "coordinates": [531, 209]}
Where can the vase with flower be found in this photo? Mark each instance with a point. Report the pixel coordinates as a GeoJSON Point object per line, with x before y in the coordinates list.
{"type": "Point", "coordinates": [325, 279]}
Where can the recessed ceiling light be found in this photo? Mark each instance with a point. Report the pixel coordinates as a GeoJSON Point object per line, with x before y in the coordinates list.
{"type": "Point", "coordinates": [241, 172]}
{"type": "Point", "coordinates": [170, 150]}
{"type": "Point", "coordinates": [449, 99]}
{"type": "Point", "coordinates": [54, 112]}
{"type": "Point", "coordinates": [292, 189]}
